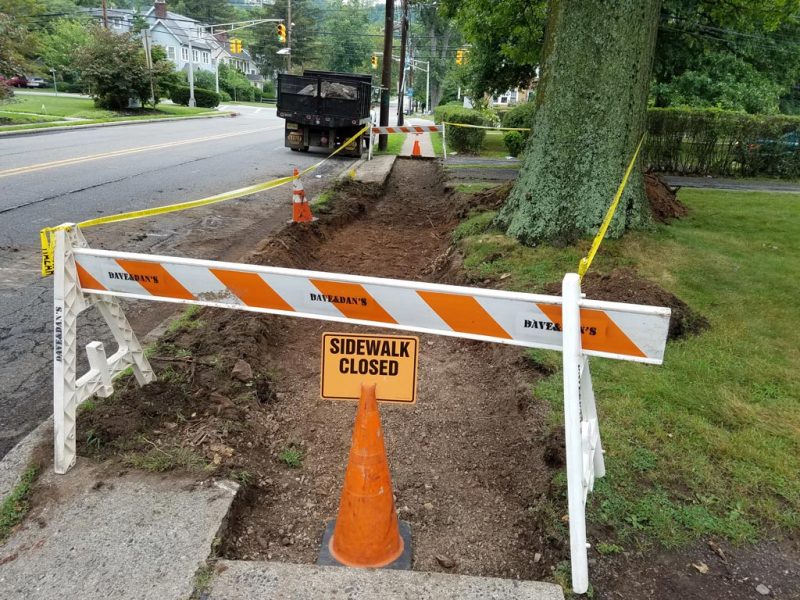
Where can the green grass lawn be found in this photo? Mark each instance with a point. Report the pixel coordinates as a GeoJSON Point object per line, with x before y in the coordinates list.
{"type": "Point", "coordinates": [709, 442]}
{"type": "Point", "coordinates": [48, 111]}
{"type": "Point", "coordinates": [393, 146]}
{"type": "Point", "coordinates": [436, 141]}
{"type": "Point", "coordinates": [493, 146]}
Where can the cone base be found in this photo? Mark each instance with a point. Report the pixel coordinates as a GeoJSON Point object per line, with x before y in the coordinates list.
{"type": "Point", "coordinates": [402, 562]}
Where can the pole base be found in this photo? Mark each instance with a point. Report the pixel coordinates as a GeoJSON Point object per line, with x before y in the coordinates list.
{"type": "Point", "coordinates": [402, 563]}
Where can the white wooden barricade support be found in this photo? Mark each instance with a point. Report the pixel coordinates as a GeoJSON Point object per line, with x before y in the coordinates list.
{"type": "Point", "coordinates": [69, 391]}
{"type": "Point", "coordinates": [578, 327]}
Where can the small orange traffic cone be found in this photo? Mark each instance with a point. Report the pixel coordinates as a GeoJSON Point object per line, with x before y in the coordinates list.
{"type": "Point", "coordinates": [367, 532]}
{"type": "Point", "coordinates": [301, 211]}
{"type": "Point", "coordinates": [415, 151]}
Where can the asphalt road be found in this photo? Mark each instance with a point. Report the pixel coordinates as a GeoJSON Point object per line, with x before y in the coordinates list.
{"type": "Point", "coordinates": [70, 176]}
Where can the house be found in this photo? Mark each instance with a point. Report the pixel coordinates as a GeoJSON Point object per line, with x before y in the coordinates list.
{"type": "Point", "coordinates": [186, 41]}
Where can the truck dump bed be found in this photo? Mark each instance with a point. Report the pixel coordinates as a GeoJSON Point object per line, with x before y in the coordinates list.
{"type": "Point", "coordinates": [336, 99]}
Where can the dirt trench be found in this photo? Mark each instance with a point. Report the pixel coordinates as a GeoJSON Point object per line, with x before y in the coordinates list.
{"type": "Point", "coordinates": [468, 460]}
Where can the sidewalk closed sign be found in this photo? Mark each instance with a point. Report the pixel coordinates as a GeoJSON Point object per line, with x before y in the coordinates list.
{"type": "Point", "coordinates": [348, 360]}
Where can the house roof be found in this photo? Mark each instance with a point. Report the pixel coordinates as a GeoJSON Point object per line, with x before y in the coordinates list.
{"type": "Point", "coordinates": [183, 29]}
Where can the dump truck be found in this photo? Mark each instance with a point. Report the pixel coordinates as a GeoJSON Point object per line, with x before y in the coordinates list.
{"type": "Point", "coordinates": [324, 109]}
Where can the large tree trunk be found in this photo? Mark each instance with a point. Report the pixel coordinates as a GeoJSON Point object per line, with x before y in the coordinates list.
{"type": "Point", "coordinates": [591, 111]}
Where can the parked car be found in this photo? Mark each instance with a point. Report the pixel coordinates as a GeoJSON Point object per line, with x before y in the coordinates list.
{"type": "Point", "coordinates": [17, 81]}
{"type": "Point", "coordinates": [35, 82]}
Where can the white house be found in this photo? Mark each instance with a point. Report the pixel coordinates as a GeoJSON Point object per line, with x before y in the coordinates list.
{"type": "Point", "coordinates": [185, 40]}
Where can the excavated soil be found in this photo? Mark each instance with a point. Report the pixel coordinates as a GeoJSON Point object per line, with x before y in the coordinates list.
{"type": "Point", "coordinates": [624, 285]}
{"type": "Point", "coordinates": [664, 203]}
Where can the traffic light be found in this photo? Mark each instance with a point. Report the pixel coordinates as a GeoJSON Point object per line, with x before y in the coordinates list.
{"type": "Point", "coordinates": [459, 57]}
{"type": "Point", "coordinates": [282, 33]}
{"type": "Point", "coordinates": [232, 46]}
{"type": "Point", "coordinates": [374, 62]}
{"type": "Point", "coordinates": [236, 46]}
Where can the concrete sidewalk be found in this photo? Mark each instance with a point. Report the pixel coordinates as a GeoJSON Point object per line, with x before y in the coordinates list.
{"type": "Point", "coordinates": [425, 145]}
{"type": "Point", "coordinates": [96, 535]}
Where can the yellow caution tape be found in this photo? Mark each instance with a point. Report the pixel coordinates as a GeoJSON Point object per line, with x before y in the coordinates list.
{"type": "Point", "coordinates": [48, 238]}
{"type": "Point", "coordinates": [486, 127]}
{"type": "Point", "coordinates": [586, 261]}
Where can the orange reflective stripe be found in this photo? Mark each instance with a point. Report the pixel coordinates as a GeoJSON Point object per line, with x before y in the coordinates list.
{"type": "Point", "coordinates": [87, 281]}
{"type": "Point", "coordinates": [155, 279]}
{"type": "Point", "coordinates": [251, 289]}
{"type": "Point", "coordinates": [365, 306]}
{"type": "Point", "coordinates": [463, 314]}
{"type": "Point", "coordinates": [598, 331]}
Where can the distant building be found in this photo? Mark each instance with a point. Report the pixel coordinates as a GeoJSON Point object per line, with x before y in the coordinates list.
{"type": "Point", "coordinates": [185, 41]}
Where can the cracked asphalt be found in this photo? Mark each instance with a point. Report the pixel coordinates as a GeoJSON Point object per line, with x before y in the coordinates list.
{"type": "Point", "coordinates": [70, 176]}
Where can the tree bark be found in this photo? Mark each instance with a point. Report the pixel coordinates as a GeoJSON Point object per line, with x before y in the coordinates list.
{"type": "Point", "coordinates": [590, 114]}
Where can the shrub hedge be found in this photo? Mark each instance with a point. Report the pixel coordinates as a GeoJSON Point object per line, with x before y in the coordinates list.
{"type": "Point", "coordinates": [515, 142]}
{"type": "Point", "coordinates": [519, 116]}
{"type": "Point", "coordinates": [202, 97]}
{"type": "Point", "coordinates": [463, 139]}
{"type": "Point", "coordinates": [722, 143]}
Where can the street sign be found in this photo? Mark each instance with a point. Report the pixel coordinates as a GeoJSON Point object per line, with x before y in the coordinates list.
{"type": "Point", "coordinates": [348, 360]}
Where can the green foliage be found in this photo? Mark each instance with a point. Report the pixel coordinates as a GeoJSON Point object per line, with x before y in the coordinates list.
{"type": "Point", "coordinates": [735, 55]}
{"type": "Point", "coordinates": [291, 456]}
{"type": "Point", "coordinates": [114, 68]}
{"type": "Point", "coordinates": [520, 116]}
{"type": "Point", "coordinates": [723, 81]}
{"type": "Point", "coordinates": [58, 46]}
{"type": "Point", "coordinates": [463, 139]}
{"type": "Point", "coordinates": [347, 50]}
{"type": "Point", "coordinates": [202, 97]}
{"type": "Point", "coordinates": [515, 142]}
{"type": "Point", "coordinates": [717, 142]}
{"type": "Point", "coordinates": [160, 460]}
{"type": "Point", "coordinates": [506, 40]}
{"type": "Point", "coordinates": [236, 84]}
{"type": "Point", "coordinates": [16, 504]}
{"type": "Point", "coordinates": [15, 46]}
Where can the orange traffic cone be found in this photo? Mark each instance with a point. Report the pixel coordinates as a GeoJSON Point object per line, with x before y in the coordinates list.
{"type": "Point", "coordinates": [301, 211]}
{"type": "Point", "coordinates": [415, 151]}
{"type": "Point", "coordinates": [367, 532]}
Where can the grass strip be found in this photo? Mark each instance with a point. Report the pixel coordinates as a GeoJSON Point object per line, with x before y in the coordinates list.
{"type": "Point", "coordinates": [16, 505]}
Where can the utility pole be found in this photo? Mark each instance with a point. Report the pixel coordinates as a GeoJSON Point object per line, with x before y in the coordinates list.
{"type": "Point", "coordinates": [402, 79]}
{"type": "Point", "coordinates": [148, 54]}
{"type": "Point", "coordinates": [289, 34]}
{"type": "Point", "coordinates": [105, 15]}
{"type": "Point", "coordinates": [386, 76]}
{"type": "Point", "coordinates": [192, 101]}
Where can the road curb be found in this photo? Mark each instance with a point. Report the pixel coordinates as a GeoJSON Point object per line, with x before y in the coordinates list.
{"type": "Point", "coordinates": [44, 130]}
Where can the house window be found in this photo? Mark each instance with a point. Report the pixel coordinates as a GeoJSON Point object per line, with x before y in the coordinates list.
{"type": "Point", "coordinates": [171, 53]}
{"type": "Point", "coordinates": [206, 57]}
{"type": "Point", "coordinates": [195, 56]}
{"type": "Point", "coordinates": [184, 54]}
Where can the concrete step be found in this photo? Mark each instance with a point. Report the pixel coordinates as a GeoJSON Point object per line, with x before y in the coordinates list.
{"type": "Point", "coordinates": [244, 580]}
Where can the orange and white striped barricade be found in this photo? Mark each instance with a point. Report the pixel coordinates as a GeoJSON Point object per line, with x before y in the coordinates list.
{"type": "Point", "coordinates": [569, 323]}
{"type": "Point", "coordinates": [416, 129]}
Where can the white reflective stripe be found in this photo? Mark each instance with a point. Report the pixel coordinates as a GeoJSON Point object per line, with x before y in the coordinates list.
{"type": "Point", "coordinates": [522, 320]}
{"type": "Point", "coordinates": [103, 268]}
{"type": "Point", "coordinates": [647, 333]}
{"type": "Point", "coordinates": [202, 283]}
{"type": "Point", "coordinates": [297, 292]}
{"type": "Point", "coordinates": [406, 307]}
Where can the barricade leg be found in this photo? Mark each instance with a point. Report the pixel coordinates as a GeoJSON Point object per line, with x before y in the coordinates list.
{"type": "Point", "coordinates": [444, 142]}
{"type": "Point", "coordinates": [67, 304]}
{"type": "Point", "coordinates": [589, 413]}
{"type": "Point", "coordinates": [572, 354]}
{"type": "Point", "coordinates": [69, 391]}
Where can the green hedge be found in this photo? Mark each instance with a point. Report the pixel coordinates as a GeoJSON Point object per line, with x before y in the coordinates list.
{"type": "Point", "coordinates": [515, 142]}
{"type": "Point", "coordinates": [202, 97]}
{"type": "Point", "coordinates": [462, 139]}
{"type": "Point", "coordinates": [722, 143]}
{"type": "Point", "coordinates": [520, 116]}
